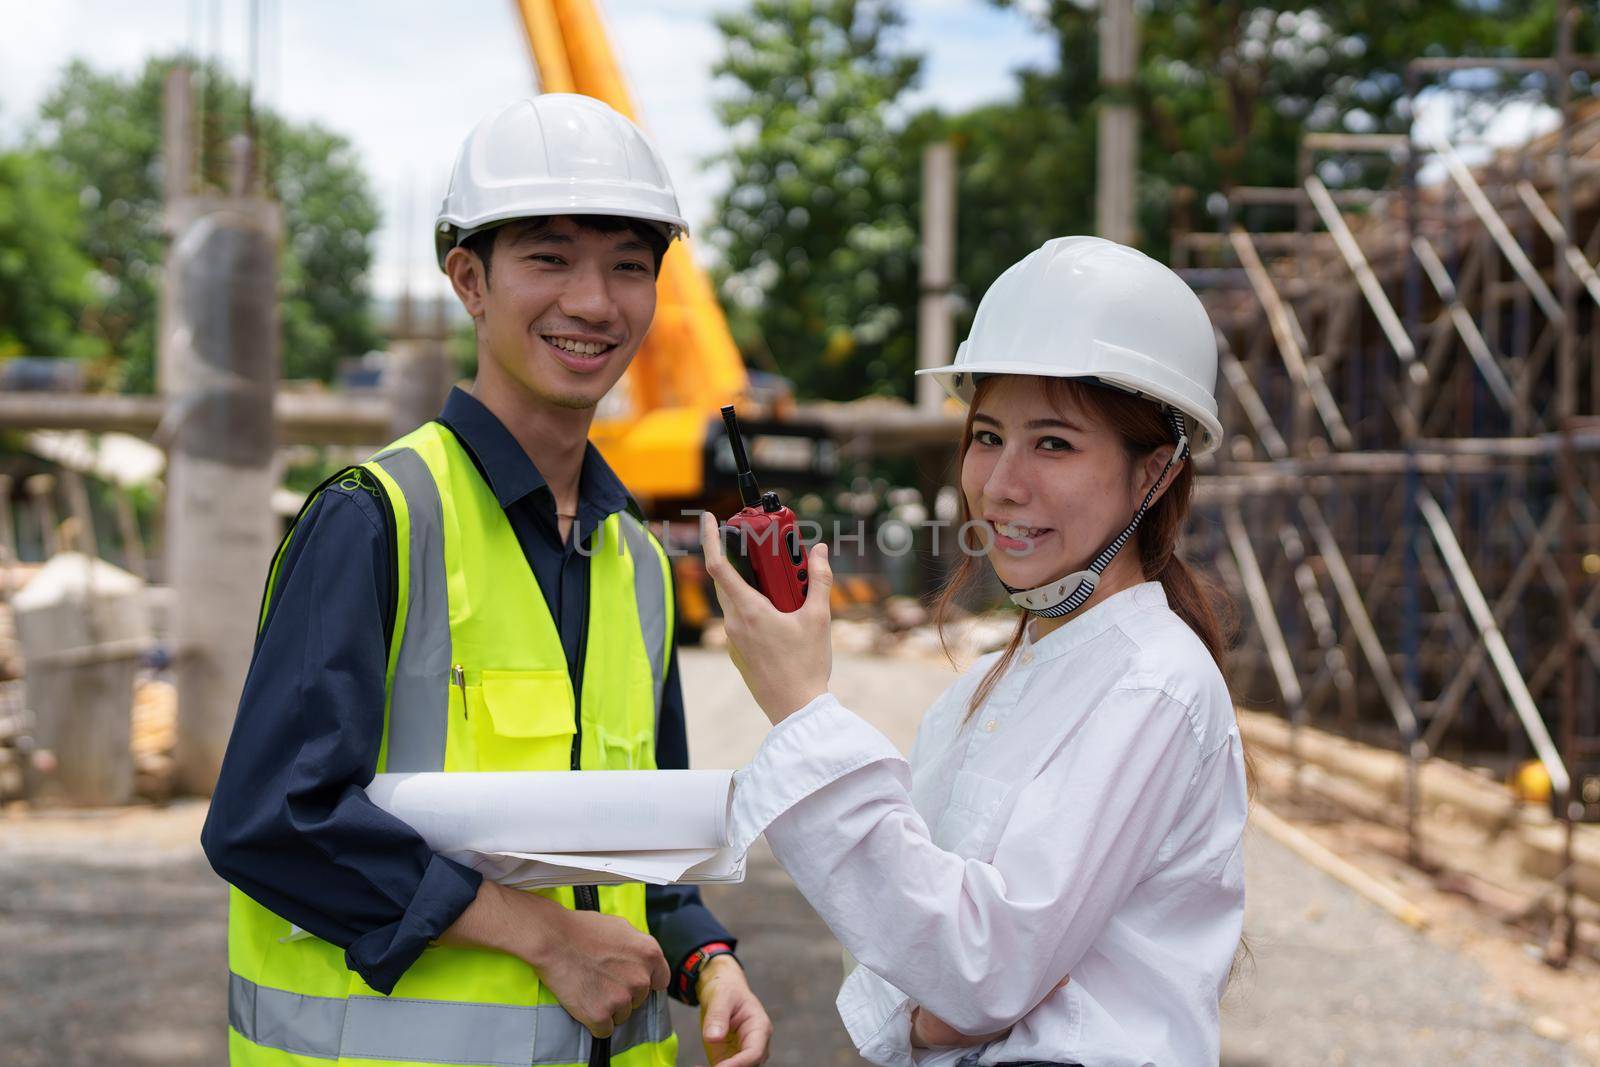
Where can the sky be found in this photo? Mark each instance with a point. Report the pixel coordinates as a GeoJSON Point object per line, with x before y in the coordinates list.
{"type": "Point", "coordinates": [406, 80]}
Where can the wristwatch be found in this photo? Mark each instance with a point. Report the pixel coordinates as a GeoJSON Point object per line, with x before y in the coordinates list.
{"type": "Point", "coordinates": [693, 964]}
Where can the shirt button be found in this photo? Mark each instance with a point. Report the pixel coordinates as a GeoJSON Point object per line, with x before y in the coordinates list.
{"type": "Point", "coordinates": [1027, 657]}
{"type": "Point", "coordinates": [989, 727]}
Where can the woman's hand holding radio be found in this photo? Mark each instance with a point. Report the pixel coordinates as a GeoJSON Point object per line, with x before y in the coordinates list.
{"type": "Point", "coordinates": [785, 657]}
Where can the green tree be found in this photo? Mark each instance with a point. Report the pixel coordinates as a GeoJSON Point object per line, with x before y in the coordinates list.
{"type": "Point", "coordinates": [1225, 92]}
{"type": "Point", "coordinates": [1226, 89]}
{"type": "Point", "coordinates": [106, 132]}
{"type": "Point", "coordinates": [47, 287]}
{"type": "Point", "coordinates": [817, 229]}
{"type": "Point", "coordinates": [329, 218]}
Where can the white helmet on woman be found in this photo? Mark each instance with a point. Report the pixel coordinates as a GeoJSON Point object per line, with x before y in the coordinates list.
{"type": "Point", "coordinates": [1083, 307]}
{"type": "Point", "coordinates": [555, 154]}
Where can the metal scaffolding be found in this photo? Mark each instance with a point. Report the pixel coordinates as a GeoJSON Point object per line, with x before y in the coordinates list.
{"type": "Point", "coordinates": [1407, 506]}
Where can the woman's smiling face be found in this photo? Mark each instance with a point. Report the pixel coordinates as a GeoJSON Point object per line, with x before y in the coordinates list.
{"type": "Point", "coordinates": [1049, 483]}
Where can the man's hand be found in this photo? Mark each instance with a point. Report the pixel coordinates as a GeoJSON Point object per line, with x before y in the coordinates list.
{"type": "Point", "coordinates": [598, 966]}
{"type": "Point", "coordinates": [733, 1024]}
{"type": "Point", "coordinates": [601, 969]}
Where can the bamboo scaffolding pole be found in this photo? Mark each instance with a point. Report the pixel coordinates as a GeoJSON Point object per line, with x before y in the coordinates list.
{"type": "Point", "coordinates": [1320, 616]}
{"type": "Point", "coordinates": [1497, 229]}
{"type": "Point", "coordinates": [1493, 374]}
{"type": "Point", "coordinates": [1291, 341]}
{"type": "Point", "coordinates": [1449, 702]}
{"type": "Point", "coordinates": [1355, 609]}
{"type": "Point", "coordinates": [1337, 867]}
{"type": "Point", "coordinates": [1558, 235]}
{"type": "Point", "coordinates": [1371, 288]}
{"type": "Point", "coordinates": [1266, 617]}
{"type": "Point", "coordinates": [1494, 640]}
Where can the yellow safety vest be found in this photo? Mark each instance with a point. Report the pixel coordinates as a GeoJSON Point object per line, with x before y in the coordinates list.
{"type": "Point", "coordinates": [466, 596]}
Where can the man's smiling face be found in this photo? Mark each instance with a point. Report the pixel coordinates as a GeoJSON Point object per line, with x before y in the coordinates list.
{"type": "Point", "coordinates": [562, 308]}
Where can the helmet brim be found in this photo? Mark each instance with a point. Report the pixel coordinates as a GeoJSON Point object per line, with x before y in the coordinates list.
{"type": "Point", "coordinates": [960, 381]}
{"type": "Point", "coordinates": [449, 233]}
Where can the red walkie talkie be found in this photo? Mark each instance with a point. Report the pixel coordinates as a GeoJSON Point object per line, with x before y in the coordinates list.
{"type": "Point", "coordinates": [763, 536]}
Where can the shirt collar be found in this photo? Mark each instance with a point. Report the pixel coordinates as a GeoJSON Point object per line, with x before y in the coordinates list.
{"type": "Point", "coordinates": [1110, 612]}
{"type": "Point", "coordinates": [511, 474]}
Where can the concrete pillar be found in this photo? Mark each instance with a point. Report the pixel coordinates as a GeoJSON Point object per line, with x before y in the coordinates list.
{"type": "Point", "coordinates": [8, 531]}
{"type": "Point", "coordinates": [1116, 177]}
{"type": "Point", "coordinates": [416, 380]}
{"type": "Point", "coordinates": [41, 489]}
{"type": "Point", "coordinates": [82, 627]}
{"type": "Point", "coordinates": [177, 171]}
{"type": "Point", "coordinates": [222, 351]}
{"type": "Point", "coordinates": [935, 328]}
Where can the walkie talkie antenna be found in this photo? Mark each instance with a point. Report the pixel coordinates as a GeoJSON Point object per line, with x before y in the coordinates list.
{"type": "Point", "coordinates": [749, 492]}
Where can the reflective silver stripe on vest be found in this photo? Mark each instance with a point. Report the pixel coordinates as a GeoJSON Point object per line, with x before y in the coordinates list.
{"type": "Point", "coordinates": [650, 593]}
{"type": "Point", "coordinates": [427, 1031]}
{"type": "Point", "coordinates": [420, 697]}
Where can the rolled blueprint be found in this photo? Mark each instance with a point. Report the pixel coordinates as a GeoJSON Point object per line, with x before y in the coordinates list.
{"type": "Point", "coordinates": [530, 812]}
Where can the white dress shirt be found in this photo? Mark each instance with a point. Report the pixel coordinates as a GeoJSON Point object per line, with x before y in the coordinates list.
{"type": "Point", "coordinates": [1085, 822]}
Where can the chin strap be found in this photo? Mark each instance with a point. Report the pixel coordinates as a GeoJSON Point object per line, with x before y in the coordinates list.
{"type": "Point", "coordinates": [1066, 595]}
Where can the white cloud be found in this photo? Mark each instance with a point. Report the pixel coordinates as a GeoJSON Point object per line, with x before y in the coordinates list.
{"type": "Point", "coordinates": [1490, 126]}
{"type": "Point", "coordinates": [406, 79]}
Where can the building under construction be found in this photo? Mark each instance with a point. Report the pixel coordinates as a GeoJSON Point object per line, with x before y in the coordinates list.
{"type": "Point", "coordinates": [1405, 509]}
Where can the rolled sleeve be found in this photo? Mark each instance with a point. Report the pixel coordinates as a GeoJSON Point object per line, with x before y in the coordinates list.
{"type": "Point", "coordinates": [878, 1018]}
{"type": "Point", "coordinates": [680, 922]}
{"type": "Point", "coordinates": [290, 824]}
{"type": "Point", "coordinates": [382, 955]}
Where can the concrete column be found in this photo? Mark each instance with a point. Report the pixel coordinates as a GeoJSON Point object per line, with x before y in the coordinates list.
{"type": "Point", "coordinates": [8, 531]}
{"type": "Point", "coordinates": [1116, 176]}
{"type": "Point", "coordinates": [177, 171]}
{"type": "Point", "coordinates": [41, 490]}
{"type": "Point", "coordinates": [416, 381]}
{"type": "Point", "coordinates": [222, 351]}
{"type": "Point", "coordinates": [935, 328]}
{"type": "Point", "coordinates": [81, 624]}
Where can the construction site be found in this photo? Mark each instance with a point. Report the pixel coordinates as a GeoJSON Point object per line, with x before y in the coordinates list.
{"type": "Point", "coordinates": [1404, 515]}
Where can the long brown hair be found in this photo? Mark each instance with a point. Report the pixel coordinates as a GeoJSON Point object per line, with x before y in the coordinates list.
{"type": "Point", "coordinates": [1195, 598]}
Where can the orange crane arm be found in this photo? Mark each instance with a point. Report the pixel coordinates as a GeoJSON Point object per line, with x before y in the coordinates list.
{"type": "Point", "coordinates": [689, 365]}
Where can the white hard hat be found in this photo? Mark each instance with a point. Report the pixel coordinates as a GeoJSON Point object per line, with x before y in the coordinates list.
{"type": "Point", "coordinates": [1083, 307]}
{"type": "Point", "coordinates": [555, 154]}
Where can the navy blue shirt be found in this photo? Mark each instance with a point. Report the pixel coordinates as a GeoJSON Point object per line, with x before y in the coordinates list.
{"type": "Point", "coordinates": [290, 823]}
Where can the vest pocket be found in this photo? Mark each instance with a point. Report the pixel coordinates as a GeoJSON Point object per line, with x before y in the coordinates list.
{"type": "Point", "coordinates": [522, 720]}
{"type": "Point", "coordinates": [625, 751]}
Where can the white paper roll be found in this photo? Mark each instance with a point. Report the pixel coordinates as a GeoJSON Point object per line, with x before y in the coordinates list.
{"type": "Point", "coordinates": [561, 811]}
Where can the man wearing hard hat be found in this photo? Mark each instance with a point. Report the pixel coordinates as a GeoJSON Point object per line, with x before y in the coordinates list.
{"type": "Point", "coordinates": [482, 595]}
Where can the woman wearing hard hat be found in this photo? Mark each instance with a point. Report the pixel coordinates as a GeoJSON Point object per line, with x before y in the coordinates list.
{"type": "Point", "coordinates": [1056, 876]}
